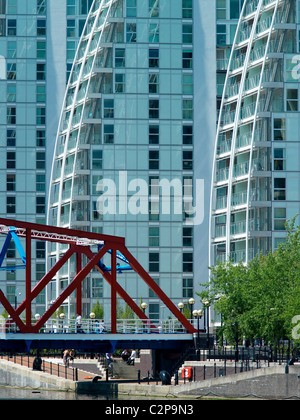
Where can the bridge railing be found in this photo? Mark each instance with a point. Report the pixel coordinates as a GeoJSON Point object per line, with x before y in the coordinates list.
{"type": "Point", "coordinates": [97, 326]}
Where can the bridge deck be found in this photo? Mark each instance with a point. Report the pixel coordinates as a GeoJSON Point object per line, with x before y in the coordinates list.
{"type": "Point", "coordinates": [93, 342]}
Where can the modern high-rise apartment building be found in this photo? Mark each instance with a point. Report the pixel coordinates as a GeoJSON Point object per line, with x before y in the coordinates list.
{"type": "Point", "coordinates": [159, 73]}
{"type": "Point", "coordinates": [255, 185]}
{"type": "Point", "coordinates": [37, 45]}
{"type": "Point", "coordinates": [139, 114]}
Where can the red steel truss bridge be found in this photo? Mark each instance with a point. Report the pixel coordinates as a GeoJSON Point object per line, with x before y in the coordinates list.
{"type": "Point", "coordinates": [80, 244]}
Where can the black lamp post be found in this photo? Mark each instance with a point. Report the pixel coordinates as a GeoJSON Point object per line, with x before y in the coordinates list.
{"type": "Point", "coordinates": [198, 314]}
{"type": "Point", "coordinates": [206, 307]}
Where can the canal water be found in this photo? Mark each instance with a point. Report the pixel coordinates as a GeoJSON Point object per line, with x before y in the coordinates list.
{"type": "Point", "coordinates": [7, 393]}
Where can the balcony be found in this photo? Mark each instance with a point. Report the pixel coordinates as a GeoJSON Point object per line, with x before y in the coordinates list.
{"type": "Point", "coordinates": [240, 169]}
{"type": "Point", "coordinates": [221, 203]}
{"type": "Point", "coordinates": [222, 174]}
{"type": "Point", "coordinates": [239, 199]}
{"type": "Point", "coordinates": [238, 228]}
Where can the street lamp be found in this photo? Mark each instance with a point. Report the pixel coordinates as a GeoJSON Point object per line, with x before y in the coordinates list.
{"type": "Point", "coordinates": [144, 307]}
{"type": "Point", "coordinates": [198, 314]}
{"type": "Point", "coordinates": [191, 303]}
{"type": "Point", "coordinates": [62, 317]}
{"type": "Point", "coordinates": [180, 306]}
{"type": "Point", "coordinates": [206, 306]}
{"type": "Point", "coordinates": [92, 316]}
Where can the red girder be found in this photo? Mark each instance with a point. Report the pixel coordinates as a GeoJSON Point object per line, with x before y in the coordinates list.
{"type": "Point", "coordinates": [79, 243]}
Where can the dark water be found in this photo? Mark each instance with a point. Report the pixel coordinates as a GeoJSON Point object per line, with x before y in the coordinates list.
{"type": "Point", "coordinates": [7, 393]}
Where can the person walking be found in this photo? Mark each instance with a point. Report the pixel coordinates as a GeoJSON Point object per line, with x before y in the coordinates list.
{"type": "Point", "coordinates": [78, 323]}
{"type": "Point", "coordinates": [66, 355]}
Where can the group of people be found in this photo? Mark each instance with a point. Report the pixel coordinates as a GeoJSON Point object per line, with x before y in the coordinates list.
{"type": "Point", "coordinates": [98, 326]}
{"type": "Point", "coordinates": [128, 357]}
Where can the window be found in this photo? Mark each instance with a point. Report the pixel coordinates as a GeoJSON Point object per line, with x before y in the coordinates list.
{"type": "Point", "coordinates": [41, 7]}
{"type": "Point", "coordinates": [153, 57]}
{"type": "Point", "coordinates": [11, 115]}
{"type": "Point", "coordinates": [279, 129]}
{"type": "Point", "coordinates": [154, 108]}
{"type": "Point", "coordinates": [153, 83]}
{"type": "Point", "coordinates": [97, 288]}
{"type": "Point", "coordinates": [187, 9]}
{"type": "Point", "coordinates": [153, 236]}
{"type": "Point", "coordinates": [187, 34]}
{"type": "Point", "coordinates": [10, 160]}
{"type": "Point", "coordinates": [187, 262]}
{"type": "Point", "coordinates": [292, 100]}
{"type": "Point", "coordinates": [187, 160]}
{"type": "Point", "coordinates": [97, 159]}
{"type": "Point", "coordinates": [41, 116]}
{"type": "Point", "coordinates": [187, 109]}
{"type": "Point", "coordinates": [234, 9]}
{"type": "Point", "coordinates": [40, 205]}
{"type": "Point", "coordinates": [131, 32]}
{"type": "Point", "coordinates": [153, 134]}
{"type": "Point", "coordinates": [153, 33]}
{"type": "Point", "coordinates": [71, 28]}
{"type": "Point", "coordinates": [279, 159]}
{"type": "Point", "coordinates": [120, 57]}
{"type": "Point", "coordinates": [11, 49]}
{"type": "Point", "coordinates": [187, 134]}
{"type": "Point", "coordinates": [40, 183]}
{"type": "Point", "coordinates": [153, 262]}
{"type": "Point", "coordinates": [187, 288]}
{"type": "Point", "coordinates": [11, 71]}
{"type": "Point", "coordinates": [2, 27]}
{"type": "Point", "coordinates": [71, 8]}
{"type": "Point", "coordinates": [187, 236]}
{"type": "Point", "coordinates": [119, 83]}
{"type": "Point", "coordinates": [153, 8]}
{"type": "Point", "coordinates": [11, 93]}
{"type": "Point", "coordinates": [10, 182]}
{"type": "Point", "coordinates": [41, 27]}
{"type": "Point", "coordinates": [11, 138]}
{"type": "Point", "coordinates": [40, 160]}
{"type": "Point", "coordinates": [153, 159]}
{"type": "Point", "coordinates": [108, 108]}
{"type": "Point", "coordinates": [41, 93]}
{"type": "Point", "coordinates": [11, 288]}
{"type": "Point", "coordinates": [131, 8]}
{"type": "Point", "coordinates": [40, 71]}
{"type": "Point", "coordinates": [221, 34]}
{"type": "Point", "coordinates": [187, 59]}
{"type": "Point", "coordinates": [11, 250]}
{"type": "Point", "coordinates": [40, 138]}
{"type": "Point", "coordinates": [221, 9]}
{"type": "Point", "coordinates": [10, 205]}
{"type": "Point", "coordinates": [187, 84]}
{"type": "Point", "coordinates": [279, 218]}
{"type": "Point", "coordinates": [41, 50]}
{"type": "Point", "coordinates": [151, 293]}
{"type": "Point", "coordinates": [108, 133]}
{"type": "Point", "coordinates": [2, 7]}
{"type": "Point", "coordinates": [95, 180]}
{"type": "Point", "coordinates": [11, 27]}
{"type": "Point", "coordinates": [279, 188]}
{"type": "Point", "coordinates": [40, 249]}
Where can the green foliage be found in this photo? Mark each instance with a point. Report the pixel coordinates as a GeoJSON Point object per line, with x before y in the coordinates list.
{"type": "Point", "coordinates": [259, 300]}
{"type": "Point", "coordinates": [98, 310]}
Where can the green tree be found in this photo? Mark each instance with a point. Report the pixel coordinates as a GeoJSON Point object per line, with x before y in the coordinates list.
{"type": "Point", "coordinates": [259, 300]}
{"type": "Point", "coordinates": [98, 310]}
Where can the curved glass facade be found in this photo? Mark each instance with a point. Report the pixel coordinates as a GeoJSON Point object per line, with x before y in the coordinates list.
{"type": "Point", "coordinates": [128, 122]}
{"type": "Point", "coordinates": [255, 183]}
